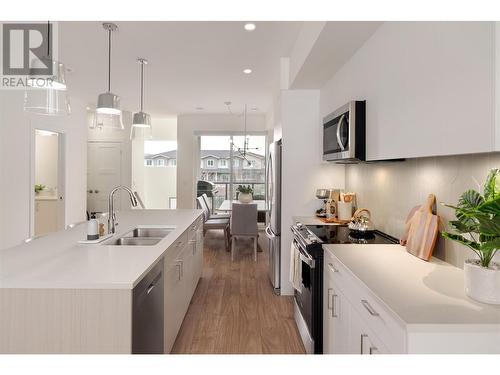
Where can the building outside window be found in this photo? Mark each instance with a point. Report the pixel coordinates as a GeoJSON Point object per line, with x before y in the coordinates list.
{"type": "Point", "coordinates": [148, 162]}
{"type": "Point", "coordinates": [160, 162]}
{"type": "Point", "coordinates": [236, 163]}
{"type": "Point", "coordinates": [223, 163]}
{"type": "Point", "coordinates": [210, 163]}
{"type": "Point", "coordinates": [173, 162]}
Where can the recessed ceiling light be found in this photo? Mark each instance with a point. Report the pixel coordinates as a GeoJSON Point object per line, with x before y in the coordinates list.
{"type": "Point", "coordinates": [247, 71]}
{"type": "Point", "coordinates": [249, 26]}
{"type": "Point", "coordinates": [199, 108]}
{"type": "Point", "coordinates": [254, 108]}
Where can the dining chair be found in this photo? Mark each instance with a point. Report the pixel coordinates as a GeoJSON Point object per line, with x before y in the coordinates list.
{"type": "Point", "coordinates": [218, 216]}
{"type": "Point", "coordinates": [244, 224]}
{"type": "Point", "coordinates": [214, 222]}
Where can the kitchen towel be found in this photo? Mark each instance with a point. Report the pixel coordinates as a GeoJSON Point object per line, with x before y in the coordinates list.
{"type": "Point", "coordinates": [295, 267]}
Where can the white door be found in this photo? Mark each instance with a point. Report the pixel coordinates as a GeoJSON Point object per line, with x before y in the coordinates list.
{"type": "Point", "coordinates": [103, 174]}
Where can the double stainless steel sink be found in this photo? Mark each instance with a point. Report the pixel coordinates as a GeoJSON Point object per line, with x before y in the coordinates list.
{"type": "Point", "coordinates": [142, 236]}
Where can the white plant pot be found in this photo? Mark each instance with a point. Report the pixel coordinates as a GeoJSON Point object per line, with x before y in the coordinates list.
{"type": "Point", "coordinates": [245, 198]}
{"type": "Point", "coordinates": [482, 284]}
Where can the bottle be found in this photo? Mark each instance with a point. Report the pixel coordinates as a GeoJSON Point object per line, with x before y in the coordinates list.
{"type": "Point", "coordinates": [92, 230]}
{"type": "Point", "coordinates": [101, 229]}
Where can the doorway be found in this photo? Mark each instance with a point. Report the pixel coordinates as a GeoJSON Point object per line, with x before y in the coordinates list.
{"type": "Point", "coordinates": [48, 209]}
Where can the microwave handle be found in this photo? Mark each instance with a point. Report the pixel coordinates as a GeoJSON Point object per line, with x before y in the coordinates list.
{"type": "Point", "coordinates": [339, 140]}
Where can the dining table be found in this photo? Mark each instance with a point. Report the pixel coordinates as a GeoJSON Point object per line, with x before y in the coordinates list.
{"type": "Point", "coordinates": [227, 205]}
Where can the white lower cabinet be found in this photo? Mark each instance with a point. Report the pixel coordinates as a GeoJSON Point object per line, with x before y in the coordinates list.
{"type": "Point", "coordinates": [336, 318]}
{"type": "Point", "coordinates": [183, 267]}
{"type": "Point", "coordinates": [346, 330]}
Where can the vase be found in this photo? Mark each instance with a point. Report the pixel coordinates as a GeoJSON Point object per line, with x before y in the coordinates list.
{"type": "Point", "coordinates": [245, 198]}
{"type": "Point", "coordinates": [482, 284]}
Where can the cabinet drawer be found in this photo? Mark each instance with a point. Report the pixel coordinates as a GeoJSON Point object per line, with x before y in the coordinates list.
{"type": "Point", "coordinates": [191, 231]}
{"type": "Point", "coordinates": [379, 319]}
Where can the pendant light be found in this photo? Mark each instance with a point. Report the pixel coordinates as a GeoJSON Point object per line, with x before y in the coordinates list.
{"type": "Point", "coordinates": [108, 110]}
{"type": "Point", "coordinates": [47, 96]}
{"type": "Point", "coordinates": [141, 119]}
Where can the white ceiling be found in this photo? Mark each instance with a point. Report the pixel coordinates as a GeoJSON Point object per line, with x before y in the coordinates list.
{"type": "Point", "coordinates": [191, 64]}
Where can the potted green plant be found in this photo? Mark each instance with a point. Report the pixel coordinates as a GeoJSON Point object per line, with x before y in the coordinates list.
{"type": "Point", "coordinates": [477, 226]}
{"type": "Point", "coordinates": [39, 188]}
{"type": "Point", "coordinates": [245, 193]}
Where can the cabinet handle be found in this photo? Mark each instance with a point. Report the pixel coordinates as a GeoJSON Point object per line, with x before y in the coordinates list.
{"type": "Point", "coordinates": [369, 308]}
{"type": "Point", "coordinates": [334, 310]}
{"type": "Point", "coordinates": [363, 335]}
{"type": "Point", "coordinates": [179, 275]}
{"type": "Point", "coordinates": [329, 299]}
{"type": "Point", "coordinates": [330, 265]}
{"type": "Point", "coordinates": [373, 349]}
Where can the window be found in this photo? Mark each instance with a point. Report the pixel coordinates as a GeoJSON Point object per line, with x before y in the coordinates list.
{"type": "Point", "coordinates": [223, 163]}
{"type": "Point", "coordinates": [148, 162]}
{"type": "Point", "coordinates": [236, 163]}
{"type": "Point", "coordinates": [160, 162]}
{"type": "Point", "coordinates": [210, 163]}
{"type": "Point", "coordinates": [173, 162]}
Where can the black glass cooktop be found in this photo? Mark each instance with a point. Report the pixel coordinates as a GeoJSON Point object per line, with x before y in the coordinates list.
{"type": "Point", "coordinates": [335, 234]}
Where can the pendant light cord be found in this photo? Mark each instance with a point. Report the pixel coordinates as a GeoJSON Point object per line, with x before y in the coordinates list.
{"type": "Point", "coordinates": [142, 85]}
{"type": "Point", "coordinates": [109, 60]}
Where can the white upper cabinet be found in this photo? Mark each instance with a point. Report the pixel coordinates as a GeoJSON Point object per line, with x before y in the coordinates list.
{"type": "Point", "coordinates": [429, 89]}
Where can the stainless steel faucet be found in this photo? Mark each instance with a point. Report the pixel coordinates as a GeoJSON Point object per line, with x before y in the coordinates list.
{"type": "Point", "coordinates": [111, 210]}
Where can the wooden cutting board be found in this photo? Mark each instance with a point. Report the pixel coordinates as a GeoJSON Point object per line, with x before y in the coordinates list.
{"type": "Point", "coordinates": [422, 230]}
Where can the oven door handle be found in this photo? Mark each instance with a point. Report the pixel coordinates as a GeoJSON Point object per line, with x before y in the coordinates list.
{"type": "Point", "coordinates": [306, 258]}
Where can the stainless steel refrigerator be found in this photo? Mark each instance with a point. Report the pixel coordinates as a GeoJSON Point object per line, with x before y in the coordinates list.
{"type": "Point", "coordinates": [273, 228]}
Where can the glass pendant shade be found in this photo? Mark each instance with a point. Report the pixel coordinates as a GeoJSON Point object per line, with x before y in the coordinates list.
{"type": "Point", "coordinates": [110, 121]}
{"type": "Point", "coordinates": [141, 120]}
{"type": "Point", "coordinates": [47, 95]}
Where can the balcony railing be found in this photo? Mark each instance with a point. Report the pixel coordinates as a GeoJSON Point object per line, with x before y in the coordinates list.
{"type": "Point", "coordinates": [222, 193]}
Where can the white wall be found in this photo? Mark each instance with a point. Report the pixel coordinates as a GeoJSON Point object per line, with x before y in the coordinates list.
{"type": "Point", "coordinates": [303, 170]}
{"type": "Point", "coordinates": [15, 186]}
{"type": "Point", "coordinates": [187, 146]}
{"type": "Point", "coordinates": [424, 83]}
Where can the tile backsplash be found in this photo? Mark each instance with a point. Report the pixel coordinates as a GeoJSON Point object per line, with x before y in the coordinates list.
{"type": "Point", "coordinates": [390, 189]}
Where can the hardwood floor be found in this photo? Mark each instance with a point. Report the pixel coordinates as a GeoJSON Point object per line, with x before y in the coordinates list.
{"type": "Point", "coordinates": [233, 309]}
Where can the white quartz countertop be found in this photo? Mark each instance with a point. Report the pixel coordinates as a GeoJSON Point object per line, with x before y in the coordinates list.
{"type": "Point", "coordinates": [58, 261]}
{"type": "Point", "coordinates": [419, 292]}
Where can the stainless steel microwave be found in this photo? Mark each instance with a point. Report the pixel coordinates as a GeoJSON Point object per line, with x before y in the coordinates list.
{"type": "Point", "coordinates": [344, 133]}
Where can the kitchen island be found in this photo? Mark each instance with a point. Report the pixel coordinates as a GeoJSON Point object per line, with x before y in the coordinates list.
{"type": "Point", "coordinates": [58, 296]}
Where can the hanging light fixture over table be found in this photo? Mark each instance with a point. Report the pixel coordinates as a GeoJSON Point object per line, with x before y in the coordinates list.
{"type": "Point", "coordinates": [47, 96]}
{"type": "Point", "coordinates": [108, 110]}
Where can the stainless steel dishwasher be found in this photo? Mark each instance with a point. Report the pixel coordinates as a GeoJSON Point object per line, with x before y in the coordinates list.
{"type": "Point", "coordinates": [147, 313]}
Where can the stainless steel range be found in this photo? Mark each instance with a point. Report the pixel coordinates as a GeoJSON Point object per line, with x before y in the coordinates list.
{"type": "Point", "coordinates": [309, 299]}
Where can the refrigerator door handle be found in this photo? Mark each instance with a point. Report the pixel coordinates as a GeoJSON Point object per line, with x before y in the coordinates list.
{"type": "Point", "coordinates": [269, 233]}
